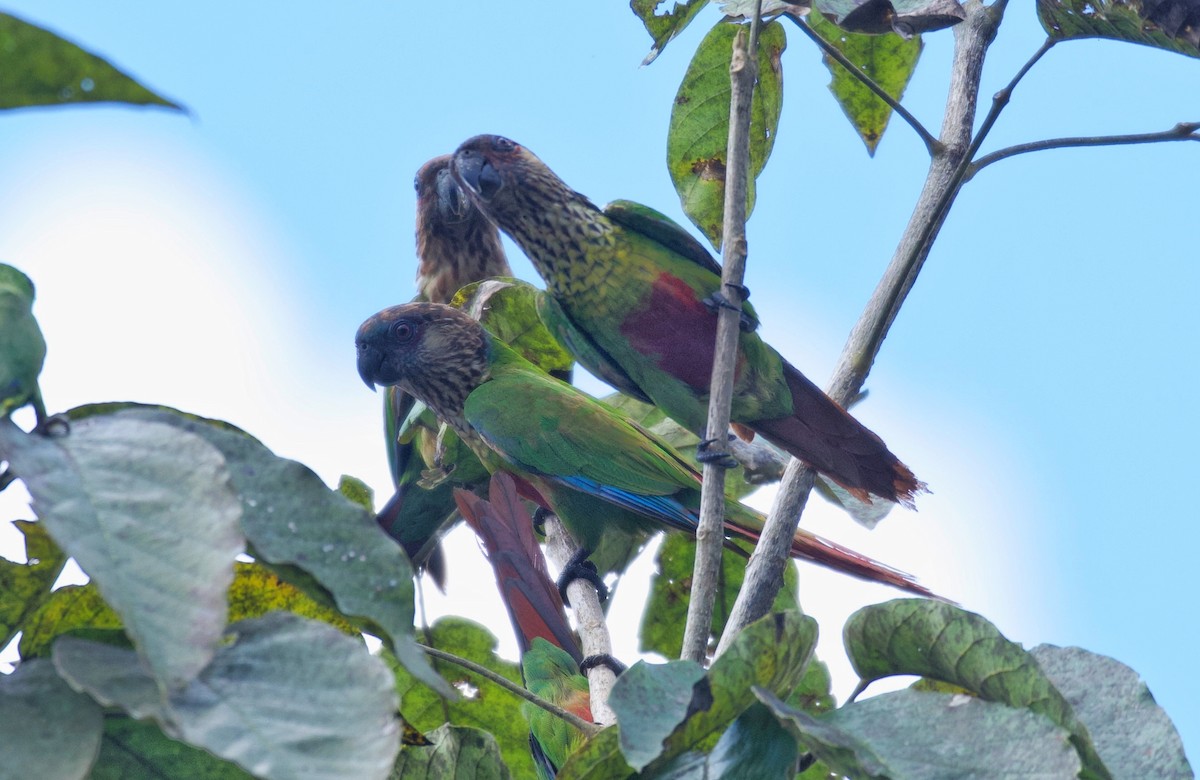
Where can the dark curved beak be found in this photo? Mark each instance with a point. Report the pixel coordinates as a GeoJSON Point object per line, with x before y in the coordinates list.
{"type": "Point", "coordinates": [474, 171]}
{"type": "Point", "coordinates": [452, 202]}
{"type": "Point", "coordinates": [369, 361]}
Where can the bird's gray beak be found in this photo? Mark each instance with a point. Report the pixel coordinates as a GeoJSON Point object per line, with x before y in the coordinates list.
{"type": "Point", "coordinates": [452, 201]}
{"type": "Point", "coordinates": [474, 171]}
{"type": "Point", "coordinates": [369, 361]}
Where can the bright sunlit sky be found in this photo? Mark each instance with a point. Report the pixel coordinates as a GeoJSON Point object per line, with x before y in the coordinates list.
{"type": "Point", "coordinates": [1041, 378]}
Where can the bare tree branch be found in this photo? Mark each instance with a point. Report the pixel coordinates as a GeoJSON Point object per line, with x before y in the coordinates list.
{"type": "Point", "coordinates": [831, 51]}
{"type": "Point", "coordinates": [513, 688]}
{"type": "Point", "coordinates": [1184, 131]}
{"type": "Point", "coordinates": [764, 573]}
{"type": "Point", "coordinates": [589, 621]}
{"type": "Point", "coordinates": [710, 535]}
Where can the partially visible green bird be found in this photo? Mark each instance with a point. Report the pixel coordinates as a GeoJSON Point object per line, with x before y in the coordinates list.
{"type": "Point", "coordinates": [22, 348]}
{"type": "Point", "coordinates": [635, 299]}
{"type": "Point", "coordinates": [552, 674]}
{"type": "Point", "coordinates": [572, 454]}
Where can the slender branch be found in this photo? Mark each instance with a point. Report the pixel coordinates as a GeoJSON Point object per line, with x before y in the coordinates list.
{"type": "Point", "coordinates": [764, 573]}
{"type": "Point", "coordinates": [1184, 131]}
{"type": "Point", "coordinates": [710, 535]}
{"type": "Point", "coordinates": [589, 621]}
{"type": "Point", "coordinates": [831, 51]}
{"type": "Point", "coordinates": [510, 686]}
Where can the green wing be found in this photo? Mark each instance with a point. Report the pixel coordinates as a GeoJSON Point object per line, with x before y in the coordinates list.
{"type": "Point", "coordinates": [581, 345]}
{"type": "Point", "coordinates": [661, 228]}
{"type": "Point", "coordinates": [22, 348]}
{"type": "Point", "coordinates": [548, 427]}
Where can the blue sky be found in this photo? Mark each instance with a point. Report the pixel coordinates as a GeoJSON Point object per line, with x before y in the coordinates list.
{"type": "Point", "coordinates": [1042, 377]}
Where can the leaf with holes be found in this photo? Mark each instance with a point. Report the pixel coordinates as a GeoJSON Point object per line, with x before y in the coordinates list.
{"type": "Point", "coordinates": [664, 27]}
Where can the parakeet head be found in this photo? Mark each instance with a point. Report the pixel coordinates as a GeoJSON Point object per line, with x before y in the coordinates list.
{"type": "Point", "coordinates": [439, 199]}
{"type": "Point", "coordinates": [502, 176]}
{"type": "Point", "coordinates": [435, 352]}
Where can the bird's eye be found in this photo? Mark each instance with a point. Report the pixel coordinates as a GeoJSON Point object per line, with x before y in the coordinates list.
{"type": "Point", "coordinates": [403, 331]}
{"type": "Point", "coordinates": [417, 183]}
{"type": "Point", "coordinates": [502, 144]}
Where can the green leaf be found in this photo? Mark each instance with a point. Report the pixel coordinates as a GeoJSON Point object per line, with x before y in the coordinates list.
{"type": "Point", "coordinates": [699, 130]}
{"type": "Point", "coordinates": [310, 535]}
{"type": "Point", "coordinates": [671, 587]}
{"type": "Point", "coordinates": [938, 640]}
{"type": "Point", "coordinates": [356, 491]}
{"type": "Point", "coordinates": [24, 587]}
{"type": "Point", "coordinates": [664, 27]}
{"type": "Point", "coordinates": [755, 747]}
{"type": "Point", "coordinates": [147, 511]}
{"type": "Point", "coordinates": [455, 753]}
{"type": "Point", "coordinates": [889, 60]}
{"type": "Point", "coordinates": [316, 702]}
{"type": "Point", "coordinates": [22, 348]}
{"type": "Point", "coordinates": [508, 309]}
{"type": "Point", "coordinates": [1133, 735]}
{"type": "Point", "coordinates": [49, 730]}
{"type": "Point", "coordinates": [1173, 25]}
{"type": "Point", "coordinates": [70, 608]}
{"type": "Point", "coordinates": [134, 750]}
{"type": "Point", "coordinates": [484, 705]}
{"type": "Point", "coordinates": [257, 590]}
{"type": "Point", "coordinates": [651, 700]}
{"type": "Point", "coordinates": [600, 758]}
{"type": "Point", "coordinates": [38, 68]}
{"type": "Point", "coordinates": [910, 735]}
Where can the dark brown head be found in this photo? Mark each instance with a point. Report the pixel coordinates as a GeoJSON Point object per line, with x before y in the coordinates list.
{"type": "Point", "coordinates": [436, 353]}
{"type": "Point", "coordinates": [456, 243]}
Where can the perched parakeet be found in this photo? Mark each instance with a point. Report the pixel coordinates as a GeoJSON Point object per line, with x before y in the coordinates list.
{"type": "Point", "coordinates": [635, 299]}
{"type": "Point", "coordinates": [551, 673]}
{"type": "Point", "coordinates": [588, 463]}
{"type": "Point", "coordinates": [22, 348]}
{"type": "Point", "coordinates": [456, 245]}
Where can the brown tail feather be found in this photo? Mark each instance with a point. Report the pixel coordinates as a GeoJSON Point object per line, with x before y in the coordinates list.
{"type": "Point", "coordinates": [825, 436]}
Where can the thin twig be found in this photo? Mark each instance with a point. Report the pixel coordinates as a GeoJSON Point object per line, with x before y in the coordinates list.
{"type": "Point", "coordinates": [831, 51]}
{"type": "Point", "coordinates": [510, 686]}
{"type": "Point", "coordinates": [710, 537]}
{"type": "Point", "coordinates": [1184, 131]}
{"type": "Point", "coordinates": [589, 621]}
{"type": "Point", "coordinates": [972, 38]}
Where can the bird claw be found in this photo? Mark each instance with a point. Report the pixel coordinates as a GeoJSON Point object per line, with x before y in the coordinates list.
{"type": "Point", "coordinates": [720, 458]}
{"type": "Point", "coordinates": [602, 659]}
{"type": "Point", "coordinates": [717, 301]}
{"type": "Point", "coordinates": [741, 288]}
{"type": "Point", "coordinates": [539, 520]}
{"type": "Point", "coordinates": [53, 426]}
{"type": "Point", "coordinates": [580, 568]}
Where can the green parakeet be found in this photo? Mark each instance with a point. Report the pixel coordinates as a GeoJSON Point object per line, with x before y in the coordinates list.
{"type": "Point", "coordinates": [22, 348]}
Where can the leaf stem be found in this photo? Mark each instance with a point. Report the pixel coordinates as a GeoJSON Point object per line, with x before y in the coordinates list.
{"type": "Point", "coordinates": [831, 51]}
{"type": "Point", "coordinates": [1184, 131]}
{"type": "Point", "coordinates": [710, 536]}
{"type": "Point", "coordinates": [510, 686]}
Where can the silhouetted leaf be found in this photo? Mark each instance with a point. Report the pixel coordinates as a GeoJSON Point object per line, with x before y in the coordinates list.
{"type": "Point", "coordinates": [1173, 25]}
{"type": "Point", "coordinates": [699, 131]}
{"type": "Point", "coordinates": [878, 17]}
{"type": "Point", "coordinates": [38, 68]}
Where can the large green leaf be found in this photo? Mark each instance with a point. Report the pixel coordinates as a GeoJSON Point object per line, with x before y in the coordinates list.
{"type": "Point", "coordinates": [699, 130]}
{"type": "Point", "coordinates": [136, 750]}
{"type": "Point", "coordinates": [288, 698]}
{"type": "Point", "coordinates": [483, 705]}
{"type": "Point", "coordinates": [671, 588]}
{"type": "Point", "coordinates": [48, 730]}
{"type": "Point", "coordinates": [453, 753]}
{"type": "Point", "coordinates": [664, 27]}
{"type": "Point", "coordinates": [1173, 25]}
{"type": "Point", "coordinates": [22, 348]}
{"type": "Point", "coordinates": [1133, 735]}
{"type": "Point", "coordinates": [38, 68]}
{"type": "Point", "coordinates": [911, 735]}
{"type": "Point", "coordinates": [938, 640]}
{"type": "Point", "coordinates": [889, 60]}
{"type": "Point", "coordinates": [147, 511]}
{"type": "Point", "coordinates": [651, 701]}
{"type": "Point", "coordinates": [310, 535]}
{"type": "Point", "coordinates": [25, 586]}
{"type": "Point", "coordinates": [70, 608]}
